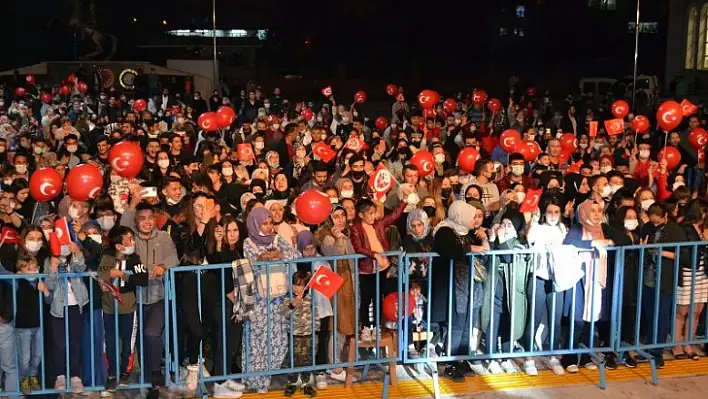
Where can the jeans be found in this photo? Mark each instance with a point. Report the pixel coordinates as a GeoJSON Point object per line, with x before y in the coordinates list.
{"type": "Point", "coordinates": [93, 374]}
{"type": "Point", "coordinates": [125, 332]}
{"type": "Point", "coordinates": [664, 320]}
{"type": "Point", "coordinates": [501, 318]}
{"type": "Point", "coordinates": [153, 323]}
{"type": "Point", "coordinates": [367, 294]}
{"type": "Point", "coordinates": [76, 331]}
{"type": "Point", "coordinates": [29, 341]}
{"type": "Point", "coordinates": [8, 358]}
{"type": "Point", "coordinates": [548, 301]}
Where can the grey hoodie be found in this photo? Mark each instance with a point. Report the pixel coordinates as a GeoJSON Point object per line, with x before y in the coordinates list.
{"type": "Point", "coordinates": [158, 249]}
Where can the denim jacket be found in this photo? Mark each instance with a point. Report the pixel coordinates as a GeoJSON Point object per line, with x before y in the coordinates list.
{"type": "Point", "coordinates": [58, 285]}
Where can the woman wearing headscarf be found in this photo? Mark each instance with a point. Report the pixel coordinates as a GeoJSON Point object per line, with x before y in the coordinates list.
{"type": "Point", "coordinates": [265, 323]}
{"type": "Point", "coordinates": [452, 242]}
{"type": "Point", "coordinates": [281, 187]}
{"type": "Point", "coordinates": [418, 239]}
{"type": "Point", "coordinates": [273, 160]}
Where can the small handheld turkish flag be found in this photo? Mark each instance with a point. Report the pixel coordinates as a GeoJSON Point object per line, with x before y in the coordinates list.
{"type": "Point", "coordinates": [327, 91]}
{"type": "Point", "coordinates": [323, 152]}
{"type": "Point", "coordinates": [108, 287]}
{"type": "Point", "coordinates": [355, 144]}
{"type": "Point", "coordinates": [688, 108]}
{"type": "Point", "coordinates": [381, 181]}
{"type": "Point", "coordinates": [61, 229]}
{"type": "Point", "coordinates": [245, 152]}
{"type": "Point", "coordinates": [531, 200]}
{"type": "Point", "coordinates": [592, 129]}
{"type": "Point", "coordinates": [8, 235]}
{"type": "Point", "coordinates": [326, 282]}
{"type": "Point", "coordinates": [614, 126]}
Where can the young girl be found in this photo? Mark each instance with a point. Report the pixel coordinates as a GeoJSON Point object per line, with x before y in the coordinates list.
{"type": "Point", "coordinates": [119, 260]}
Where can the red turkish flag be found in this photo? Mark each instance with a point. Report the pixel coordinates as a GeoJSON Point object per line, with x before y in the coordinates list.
{"type": "Point", "coordinates": [54, 246]}
{"type": "Point", "coordinates": [323, 152]}
{"type": "Point", "coordinates": [592, 127]}
{"type": "Point", "coordinates": [61, 229]}
{"type": "Point", "coordinates": [574, 168]}
{"type": "Point", "coordinates": [108, 287]}
{"type": "Point", "coordinates": [531, 200]}
{"type": "Point", "coordinates": [687, 108]}
{"type": "Point", "coordinates": [381, 181]}
{"type": "Point", "coordinates": [614, 126]}
{"type": "Point", "coordinates": [245, 152]}
{"type": "Point", "coordinates": [327, 91]}
{"type": "Point", "coordinates": [326, 282]}
{"type": "Point", "coordinates": [9, 236]}
{"type": "Point", "coordinates": [355, 144]}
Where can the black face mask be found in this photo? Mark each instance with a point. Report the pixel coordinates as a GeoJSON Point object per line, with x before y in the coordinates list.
{"type": "Point", "coordinates": [470, 199]}
{"type": "Point", "coordinates": [456, 187]}
{"type": "Point", "coordinates": [429, 210]}
{"type": "Point", "coordinates": [445, 192]}
{"type": "Point", "coordinates": [358, 175]}
{"type": "Point", "coordinates": [259, 195]}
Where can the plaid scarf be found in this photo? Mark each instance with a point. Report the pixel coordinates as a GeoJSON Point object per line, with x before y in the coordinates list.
{"type": "Point", "coordinates": [245, 289]}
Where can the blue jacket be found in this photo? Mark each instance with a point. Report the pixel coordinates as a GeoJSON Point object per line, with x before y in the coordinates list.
{"type": "Point", "coordinates": [57, 285]}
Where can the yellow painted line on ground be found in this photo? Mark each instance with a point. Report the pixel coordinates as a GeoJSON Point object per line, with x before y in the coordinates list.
{"type": "Point", "coordinates": [546, 379]}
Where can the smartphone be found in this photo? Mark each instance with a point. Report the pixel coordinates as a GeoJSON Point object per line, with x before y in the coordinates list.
{"type": "Point", "coordinates": [149, 192]}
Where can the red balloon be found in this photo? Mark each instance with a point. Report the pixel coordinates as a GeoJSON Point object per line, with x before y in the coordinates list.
{"type": "Point", "coordinates": [698, 138]}
{"type": "Point", "coordinates": [381, 123]}
{"type": "Point", "coordinates": [389, 307]}
{"type": "Point", "coordinates": [529, 149]}
{"type": "Point", "coordinates": [126, 158]}
{"type": "Point", "coordinates": [425, 162]}
{"type": "Point", "coordinates": [428, 98]}
{"type": "Point", "coordinates": [140, 105]}
{"type": "Point", "coordinates": [313, 207]}
{"type": "Point", "coordinates": [620, 109]}
{"type": "Point", "coordinates": [467, 158]}
{"type": "Point", "coordinates": [82, 87]}
{"type": "Point", "coordinates": [569, 142]}
{"type": "Point", "coordinates": [46, 98]}
{"type": "Point", "coordinates": [391, 89]}
{"type": "Point", "coordinates": [20, 92]}
{"type": "Point", "coordinates": [672, 155]}
{"type": "Point", "coordinates": [307, 114]}
{"type": "Point", "coordinates": [564, 156]}
{"type": "Point", "coordinates": [640, 124]}
{"type": "Point", "coordinates": [449, 105]}
{"type": "Point", "coordinates": [72, 78]}
{"type": "Point", "coordinates": [360, 97]}
{"type": "Point", "coordinates": [669, 115]}
{"type": "Point", "coordinates": [510, 140]}
{"type": "Point", "coordinates": [30, 79]}
{"type": "Point", "coordinates": [494, 105]}
{"type": "Point", "coordinates": [531, 91]}
{"type": "Point", "coordinates": [479, 97]}
{"type": "Point", "coordinates": [65, 90]}
{"type": "Point", "coordinates": [45, 184]}
{"type": "Point", "coordinates": [84, 182]}
{"type": "Point", "coordinates": [225, 116]}
{"type": "Point", "coordinates": [489, 143]}
{"type": "Point", "coordinates": [208, 122]}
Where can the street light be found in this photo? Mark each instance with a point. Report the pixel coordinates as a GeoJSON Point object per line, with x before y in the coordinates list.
{"type": "Point", "coordinates": [213, 19]}
{"type": "Point", "coordinates": [636, 58]}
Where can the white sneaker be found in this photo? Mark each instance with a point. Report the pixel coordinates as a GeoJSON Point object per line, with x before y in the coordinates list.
{"type": "Point", "coordinates": [222, 391]}
{"type": "Point", "coordinates": [106, 394]}
{"type": "Point", "coordinates": [590, 366]}
{"type": "Point", "coordinates": [412, 352]}
{"type": "Point", "coordinates": [320, 382]}
{"type": "Point", "coordinates": [530, 368]}
{"type": "Point", "coordinates": [341, 376]}
{"type": "Point", "coordinates": [391, 325]}
{"type": "Point", "coordinates": [478, 369]}
{"type": "Point", "coordinates": [234, 386]}
{"type": "Point", "coordinates": [494, 368]}
{"type": "Point", "coordinates": [60, 383]}
{"type": "Point", "coordinates": [555, 366]}
{"type": "Point", "coordinates": [77, 386]}
{"type": "Point", "coordinates": [365, 335]}
{"type": "Point", "coordinates": [510, 367]}
{"type": "Point", "coordinates": [573, 369]}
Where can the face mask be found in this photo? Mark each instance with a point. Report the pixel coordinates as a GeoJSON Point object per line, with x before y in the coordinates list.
{"type": "Point", "coordinates": [266, 105]}
{"type": "Point", "coordinates": [259, 145]}
{"type": "Point", "coordinates": [614, 188]}
{"type": "Point", "coordinates": [520, 196]}
{"type": "Point", "coordinates": [583, 145]}
{"type": "Point", "coordinates": [606, 191]}
{"type": "Point", "coordinates": [21, 169]}
{"type": "Point", "coordinates": [413, 199]}
{"type": "Point", "coordinates": [7, 182]}
{"type": "Point", "coordinates": [552, 220]}
{"type": "Point", "coordinates": [445, 192]}
{"type": "Point", "coordinates": [72, 148]}
{"type": "Point", "coordinates": [106, 222]}
{"type": "Point", "coordinates": [38, 150]}
{"type": "Point", "coordinates": [273, 165]}
{"type": "Point", "coordinates": [73, 213]}
{"type": "Point", "coordinates": [227, 172]}
{"type": "Point", "coordinates": [677, 185]}
{"type": "Point", "coordinates": [333, 200]}
{"type": "Point", "coordinates": [347, 193]}
{"type": "Point", "coordinates": [517, 170]}
{"type": "Point", "coordinates": [345, 120]}
{"type": "Point", "coordinates": [439, 158]}
{"type": "Point", "coordinates": [644, 154]}
{"type": "Point", "coordinates": [394, 126]}
{"type": "Point", "coordinates": [631, 224]}
{"type": "Point", "coordinates": [646, 204]}
{"type": "Point", "coordinates": [96, 238]}
{"type": "Point", "coordinates": [128, 250]}
{"type": "Point", "coordinates": [180, 121]}
{"type": "Point", "coordinates": [163, 163]}
{"type": "Point", "coordinates": [429, 210]}
{"type": "Point", "coordinates": [605, 169]}
{"type": "Point", "coordinates": [33, 246]}
{"type": "Point", "coordinates": [261, 115]}
{"type": "Point", "coordinates": [470, 199]}
{"type": "Point", "coordinates": [597, 146]}
{"type": "Point", "coordinates": [276, 126]}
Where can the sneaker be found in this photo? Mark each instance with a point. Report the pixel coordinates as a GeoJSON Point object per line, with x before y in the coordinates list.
{"type": "Point", "coordinates": [124, 379]}
{"type": "Point", "coordinates": [555, 365]}
{"type": "Point", "coordinates": [494, 368]}
{"type": "Point", "coordinates": [590, 366]}
{"type": "Point", "coordinates": [530, 368]}
{"type": "Point", "coordinates": [105, 394]}
{"type": "Point", "coordinates": [341, 376]}
{"type": "Point", "coordinates": [26, 386]}
{"type": "Point", "coordinates": [510, 367]}
{"type": "Point", "coordinates": [573, 369]}
{"type": "Point", "coordinates": [76, 385]}
{"type": "Point", "coordinates": [659, 362]}
{"type": "Point", "coordinates": [60, 383]}
{"type": "Point", "coordinates": [290, 390]}
{"type": "Point", "coordinates": [611, 361]}
{"type": "Point", "coordinates": [630, 362]}
{"type": "Point", "coordinates": [390, 325]}
{"type": "Point", "coordinates": [365, 335]}
{"type": "Point", "coordinates": [34, 383]}
{"type": "Point", "coordinates": [234, 386]}
{"type": "Point", "coordinates": [321, 381]}
{"type": "Point", "coordinates": [308, 390]}
{"type": "Point", "coordinates": [222, 391]}
{"type": "Point", "coordinates": [412, 352]}
{"type": "Point", "coordinates": [111, 384]}
{"type": "Point", "coordinates": [478, 369]}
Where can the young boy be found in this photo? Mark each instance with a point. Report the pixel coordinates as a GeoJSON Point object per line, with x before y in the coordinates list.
{"type": "Point", "coordinates": [29, 336]}
{"type": "Point", "coordinates": [119, 260]}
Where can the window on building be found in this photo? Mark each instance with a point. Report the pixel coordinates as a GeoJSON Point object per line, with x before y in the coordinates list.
{"type": "Point", "coordinates": [605, 5]}
{"type": "Point", "coordinates": [701, 61]}
{"type": "Point", "coordinates": [503, 32]}
{"type": "Point", "coordinates": [519, 31]}
{"type": "Point", "coordinates": [520, 11]}
{"type": "Point", "coordinates": [691, 38]}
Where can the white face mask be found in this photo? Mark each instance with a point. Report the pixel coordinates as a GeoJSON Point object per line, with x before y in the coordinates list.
{"type": "Point", "coordinates": [413, 199]}
{"type": "Point", "coordinates": [345, 120]}
{"type": "Point", "coordinates": [128, 250]}
{"type": "Point", "coordinates": [227, 172]}
{"type": "Point", "coordinates": [72, 148]}
{"type": "Point", "coordinates": [605, 169]}
{"type": "Point", "coordinates": [33, 246]}
{"type": "Point", "coordinates": [73, 213]}
{"type": "Point", "coordinates": [520, 197]}
{"type": "Point", "coordinates": [163, 163]}
{"type": "Point", "coordinates": [180, 121]}
{"type": "Point", "coordinates": [276, 126]}
{"type": "Point", "coordinates": [646, 204]}
{"type": "Point", "coordinates": [552, 220]}
{"type": "Point", "coordinates": [38, 150]}
{"type": "Point", "coordinates": [677, 185]}
{"type": "Point", "coordinates": [614, 188]}
{"type": "Point", "coordinates": [631, 224]}
{"type": "Point", "coordinates": [333, 200]}
{"type": "Point", "coordinates": [583, 145]}
{"type": "Point", "coordinates": [21, 168]}
{"type": "Point", "coordinates": [347, 193]}
{"type": "Point", "coordinates": [517, 170]}
{"type": "Point", "coordinates": [439, 158]}
{"type": "Point", "coordinates": [606, 191]}
{"type": "Point", "coordinates": [644, 154]}
{"type": "Point", "coordinates": [106, 222]}
{"type": "Point", "coordinates": [96, 237]}
{"type": "Point", "coordinates": [259, 145]}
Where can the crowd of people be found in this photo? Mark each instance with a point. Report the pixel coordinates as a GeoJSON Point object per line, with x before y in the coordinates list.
{"type": "Point", "coordinates": [202, 199]}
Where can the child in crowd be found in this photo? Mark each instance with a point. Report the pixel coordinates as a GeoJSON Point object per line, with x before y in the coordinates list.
{"type": "Point", "coordinates": [29, 335]}
{"type": "Point", "coordinates": [300, 308]}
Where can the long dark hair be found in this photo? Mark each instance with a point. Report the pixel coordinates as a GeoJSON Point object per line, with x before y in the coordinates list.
{"type": "Point", "coordinates": [225, 222]}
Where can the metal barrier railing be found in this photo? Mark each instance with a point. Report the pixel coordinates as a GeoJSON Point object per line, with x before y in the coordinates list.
{"type": "Point", "coordinates": [605, 312]}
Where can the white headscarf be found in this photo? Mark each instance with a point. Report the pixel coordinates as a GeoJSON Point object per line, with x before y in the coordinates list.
{"type": "Point", "coordinates": [459, 218]}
